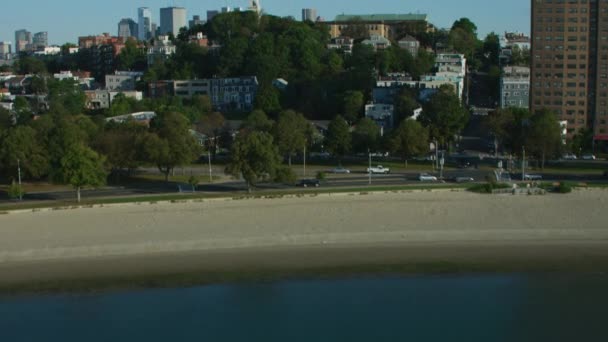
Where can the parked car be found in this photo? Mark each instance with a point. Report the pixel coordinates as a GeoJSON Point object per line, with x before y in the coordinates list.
{"type": "Point", "coordinates": [464, 179]}
{"type": "Point", "coordinates": [588, 157]}
{"type": "Point", "coordinates": [425, 177]}
{"type": "Point", "coordinates": [340, 169]}
{"type": "Point", "coordinates": [305, 183]}
{"type": "Point", "coordinates": [379, 169]}
{"type": "Point", "coordinates": [532, 177]}
{"type": "Point", "coordinates": [380, 154]}
{"type": "Point", "coordinates": [569, 156]}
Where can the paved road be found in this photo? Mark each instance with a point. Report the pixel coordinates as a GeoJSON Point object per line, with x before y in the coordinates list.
{"type": "Point", "coordinates": [333, 181]}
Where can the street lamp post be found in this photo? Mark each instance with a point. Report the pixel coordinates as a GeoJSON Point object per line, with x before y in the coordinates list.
{"type": "Point", "coordinates": [369, 169]}
{"type": "Point", "coordinates": [304, 161]}
{"type": "Point", "coordinates": [210, 170]}
{"type": "Point", "coordinates": [523, 164]}
{"type": "Point", "coordinates": [19, 176]}
{"type": "Point", "coordinates": [441, 163]}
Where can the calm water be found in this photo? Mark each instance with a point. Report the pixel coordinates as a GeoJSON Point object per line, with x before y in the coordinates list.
{"type": "Point", "coordinates": [425, 308]}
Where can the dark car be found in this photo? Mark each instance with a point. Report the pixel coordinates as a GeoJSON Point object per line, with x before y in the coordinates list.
{"type": "Point", "coordinates": [606, 174]}
{"type": "Point", "coordinates": [305, 183]}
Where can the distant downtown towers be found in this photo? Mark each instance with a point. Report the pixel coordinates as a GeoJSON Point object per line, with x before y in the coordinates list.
{"type": "Point", "coordinates": [144, 23]}
{"type": "Point", "coordinates": [172, 19]}
{"type": "Point", "coordinates": [569, 66]}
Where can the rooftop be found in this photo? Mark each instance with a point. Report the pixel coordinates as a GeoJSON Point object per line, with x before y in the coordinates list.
{"type": "Point", "coordinates": [382, 17]}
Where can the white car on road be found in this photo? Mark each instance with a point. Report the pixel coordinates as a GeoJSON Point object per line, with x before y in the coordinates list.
{"type": "Point", "coordinates": [588, 157]}
{"type": "Point", "coordinates": [532, 177]}
{"type": "Point", "coordinates": [425, 177]}
{"type": "Point", "coordinates": [379, 169]}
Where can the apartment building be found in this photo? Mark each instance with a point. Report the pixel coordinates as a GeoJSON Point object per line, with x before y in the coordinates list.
{"type": "Point", "coordinates": [515, 87]}
{"type": "Point", "coordinates": [569, 67]}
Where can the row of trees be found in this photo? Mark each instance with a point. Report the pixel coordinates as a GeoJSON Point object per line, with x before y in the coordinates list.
{"type": "Point", "coordinates": [517, 129]}
{"type": "Point", "coordinates": [67, 147]}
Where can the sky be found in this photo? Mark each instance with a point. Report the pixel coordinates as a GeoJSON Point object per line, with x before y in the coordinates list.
{"type": "Point", "coordinates": [65, 20]}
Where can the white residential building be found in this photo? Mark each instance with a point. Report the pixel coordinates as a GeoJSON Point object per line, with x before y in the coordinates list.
{"type": "Point", "coordinates": [515, 87]}
{"type": "Point", "coordinates": [377, 42]}
{"type": "Point", "coordinates": [162, 49]}
{"type": "Point", "coordinates": [123, 80]}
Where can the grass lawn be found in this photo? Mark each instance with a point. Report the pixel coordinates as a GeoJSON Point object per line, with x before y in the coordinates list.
{"type": "Point", "coordinates": [235, 195]}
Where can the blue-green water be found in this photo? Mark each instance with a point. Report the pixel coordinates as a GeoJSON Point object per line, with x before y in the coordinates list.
{"type": "Point", "coordinates": [416, 308]}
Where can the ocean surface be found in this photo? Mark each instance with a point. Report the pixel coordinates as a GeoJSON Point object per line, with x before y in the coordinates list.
{"type": "Point", "coordinates": [409, 308]}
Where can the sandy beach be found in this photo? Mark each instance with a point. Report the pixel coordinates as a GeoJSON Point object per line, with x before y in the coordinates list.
{"type": "Point", "coordinates": [305, 232]}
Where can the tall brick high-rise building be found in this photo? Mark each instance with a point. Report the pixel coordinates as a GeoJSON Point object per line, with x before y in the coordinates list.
{"type": "Point", "coordinates": [569, 66]}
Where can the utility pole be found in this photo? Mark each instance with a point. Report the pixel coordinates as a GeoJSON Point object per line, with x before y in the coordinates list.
{"type": "Point", "coordinates": [441, 163]}
{"type": "Point", "coordinates": [304, 160]}
{"type": "Point", "coordinates": [369, 154]}
{"type": "Point", "coordinates": [210, 171]}
{"type": "Point", "coordinates": [523, 164]}
{"type": "Point", "coordinates": [19, 176]}
{"type": "Point", "coordinates": [436, 154]}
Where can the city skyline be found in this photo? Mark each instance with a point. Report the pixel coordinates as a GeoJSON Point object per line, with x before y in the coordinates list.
{"type": "Point", "coordinates": [504, 17]}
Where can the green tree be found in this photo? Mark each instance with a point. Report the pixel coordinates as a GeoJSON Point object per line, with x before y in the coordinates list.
{"type": "Point", "coordinates": [410, 139]}
{"type": "Point", "coordinates": [258, 121]}
{"type": "Point", "coordinates": [405, 104]}
{"type": "Point", "coordinates": [121, 145]}
{"type": "Point", "coordinates": [491, 49]}
{"type": "Point", "coordinates": [6, 119]}
{"type": "Point", "coordinates": [132, 57]}
{"type": "Point", "coordinates": [366, 136]}
{"type": "Point", "coordinates": [211, 125]}
{"type": "Point", "coordinates": [544, 137]}
{"type": "Point", "coordinates": [267, 100]}
{"type": "Point", "coordinates": [291, 132]}
{"type": "Point", "coordinates": [254, 157]}
{"type": "Point", "coordinates": [353, 103]}
{"type": "Point", "coordinates": [338, 140]}
{"type": "Point", "coordinates": [82, 167]}
{"type": "Point", "coordinates": [171, 144]}
{"type": "Point", "coordinates": [463, 37]}
{"type": "Point", "coordinates": [27, 65]}
{"type": "Point", "coordinates": [500, 123]}
{"type": "Point", "coordinates": [444, 115]}
{"type": "Point", "coordinates": [21, 144]}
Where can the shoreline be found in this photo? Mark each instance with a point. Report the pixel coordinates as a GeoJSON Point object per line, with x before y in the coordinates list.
{"type": "Point", "coordinates": [192, 243]}
{"type": "Point", "coordinates": [167, 270]}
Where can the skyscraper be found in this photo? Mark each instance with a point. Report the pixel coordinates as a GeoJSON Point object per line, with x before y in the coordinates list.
{"type": "Point", "coordinates": [569, 66]}
{"type": "Point", "coordinates": [172, 19]}
{"type": "Point", "coordinates": [127, 28]}
{"type": "Point", "coordinates": [309, 14]}
{"type": "Point", "coordinates": [196, 20]}
{"type": "Point", "coordinates": [144, 23]}
{"type": "Point", "coordinates": [40, 40]}
{"type": "Point", "coordinates": [5, 49]}
{"type": "Point", "coordinates": [23, 40]}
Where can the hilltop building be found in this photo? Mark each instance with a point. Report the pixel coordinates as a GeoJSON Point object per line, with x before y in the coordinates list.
{"type": "Point", "coordinates": [388, 26]}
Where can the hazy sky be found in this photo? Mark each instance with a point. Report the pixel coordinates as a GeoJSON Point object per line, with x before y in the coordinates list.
{"type": "Point", "coordinates": [65, 20]}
